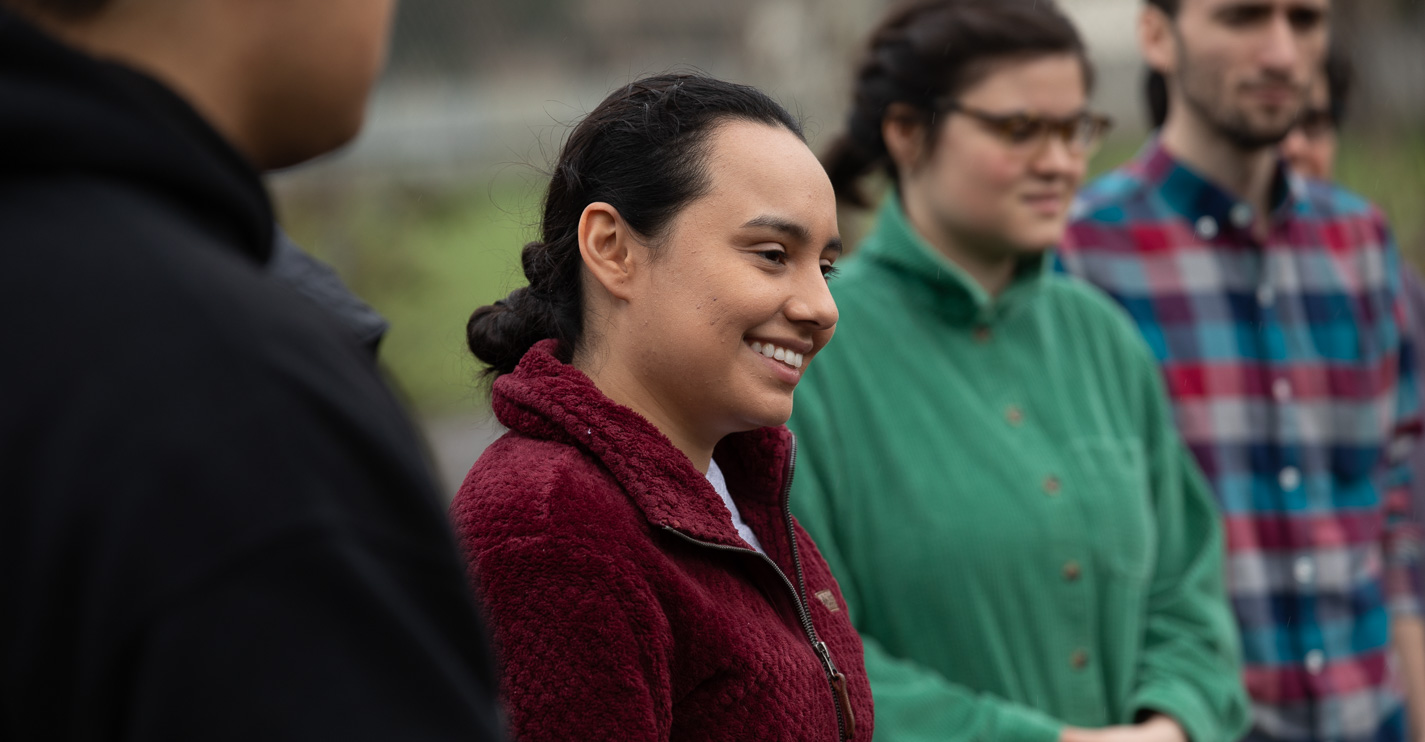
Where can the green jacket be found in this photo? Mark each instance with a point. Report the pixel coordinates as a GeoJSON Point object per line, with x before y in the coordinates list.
{"type": "Point", "coordinates": [1022, 540]}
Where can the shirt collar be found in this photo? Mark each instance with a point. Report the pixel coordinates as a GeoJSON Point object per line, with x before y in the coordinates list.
{"type": "Point", "coordinates": [1205, 205]}
{"type": "Point", "coordinates": [950, 290]}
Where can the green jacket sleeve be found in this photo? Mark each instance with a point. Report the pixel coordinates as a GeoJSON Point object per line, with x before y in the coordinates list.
{"type": "Point", "coordinates": [1191, 666]}
{"type": "Point", "coordinates": [912, 702]}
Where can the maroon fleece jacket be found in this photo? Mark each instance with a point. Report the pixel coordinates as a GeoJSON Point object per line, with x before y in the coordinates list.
{"type": "Point", "coordinates": [624, 604]}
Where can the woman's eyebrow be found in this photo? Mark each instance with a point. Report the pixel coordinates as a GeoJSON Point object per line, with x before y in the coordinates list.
{"type": "Point", "coordinates": [790, 229]}
{"type": "Point", "coordinates": [778, 224]}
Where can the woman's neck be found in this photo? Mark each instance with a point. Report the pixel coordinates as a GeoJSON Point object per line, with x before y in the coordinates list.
{"type": "Point", "coordinates": [623, 387]}
{"type": "Point", "coordinates": [993, 272]}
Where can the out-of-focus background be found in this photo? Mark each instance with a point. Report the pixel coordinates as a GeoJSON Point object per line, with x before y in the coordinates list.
{"type": "Point", "coordinates": [425, 214]}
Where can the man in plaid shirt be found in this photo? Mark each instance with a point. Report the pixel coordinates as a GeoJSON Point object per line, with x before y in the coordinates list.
{"type": "Point", "coordinates": [1274, 306]}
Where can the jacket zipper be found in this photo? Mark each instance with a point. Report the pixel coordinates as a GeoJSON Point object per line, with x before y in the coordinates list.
{"type": "Point", "coordinates": [844, 716]}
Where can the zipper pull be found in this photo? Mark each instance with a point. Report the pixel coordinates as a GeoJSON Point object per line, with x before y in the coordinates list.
{"type": "Point", "coordinates": [838, 684]}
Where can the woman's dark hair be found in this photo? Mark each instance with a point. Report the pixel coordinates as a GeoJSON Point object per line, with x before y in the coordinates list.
{"type": "Point", "coordinates": [644, 151]}
{"type": "Point", "coordinates": [929, 51]}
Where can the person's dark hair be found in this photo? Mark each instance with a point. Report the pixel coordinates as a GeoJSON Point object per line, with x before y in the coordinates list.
{"type": "Point", "coordinates": [62, 9]}
{"type": "Point", "coordinates": [928, 51]}
{"type": "Point", "coordinates": [644, 151]}
{"type": "Point", "coordinates": [1339, 76]}
{"type": "Point", "coordinates": [1169, 7]}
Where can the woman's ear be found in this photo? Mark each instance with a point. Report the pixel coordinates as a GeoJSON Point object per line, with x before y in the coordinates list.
{"type": "Point", "coordinates": [608, 248]}
{"type": "Point", "coordinates": [903, 130]}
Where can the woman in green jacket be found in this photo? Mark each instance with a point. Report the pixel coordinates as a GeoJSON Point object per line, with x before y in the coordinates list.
{"type": "Point", "coordinates": [988, 459]}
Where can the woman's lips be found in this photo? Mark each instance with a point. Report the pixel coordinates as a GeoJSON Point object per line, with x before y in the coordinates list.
{"type": "Point", "coordinates": [778, 353]}
{"type": "Point", "coordinates": [1048, 204]}
{"type": "Point", "coordinates": [788, 368]}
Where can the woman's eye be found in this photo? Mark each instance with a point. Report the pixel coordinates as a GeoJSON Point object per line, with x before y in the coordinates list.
{"type": "Point", "coordinates": [777, 255]}
{"type": "Point", "coordinates": [1022, 130]}
{"type": "Point", "coordinates": [828, 271]}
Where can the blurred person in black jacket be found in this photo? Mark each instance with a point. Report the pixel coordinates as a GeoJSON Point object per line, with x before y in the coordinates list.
{"type": "Point", "coordinates": [217, 522]}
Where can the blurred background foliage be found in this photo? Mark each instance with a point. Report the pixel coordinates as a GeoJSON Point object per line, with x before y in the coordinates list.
{"type": "Point", "coordinates": [425, 215]}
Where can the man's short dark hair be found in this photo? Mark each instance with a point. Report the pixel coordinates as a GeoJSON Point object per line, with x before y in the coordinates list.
{"type": "Point", "coordinates": [65, 9]}
{"type": "Point", "coordinates": [1167, 6]}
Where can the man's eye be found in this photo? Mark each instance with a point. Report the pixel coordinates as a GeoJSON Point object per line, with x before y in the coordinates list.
{"type": "Point", "coordinates": [1245, 15]}
{"type": "Point", "coordinates": [829, 271]}
{"type": "Point", "coordinates": [1305, 19]}
{"type": "Point", "coordinates": [777, 255]}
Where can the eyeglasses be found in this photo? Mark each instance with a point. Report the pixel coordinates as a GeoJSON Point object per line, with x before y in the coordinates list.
{"type": "Point", "coordinates": [1081, 133]}
{"type": "Point", "coordinates": [1316, 123]}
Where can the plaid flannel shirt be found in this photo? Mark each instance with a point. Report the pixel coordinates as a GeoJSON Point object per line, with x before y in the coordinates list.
{"type": "Point", "coordinates": [1292, 384]}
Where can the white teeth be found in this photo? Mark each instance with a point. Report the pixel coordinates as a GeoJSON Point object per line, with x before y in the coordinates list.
{"type": "Point", "coordinates": [791, 358]}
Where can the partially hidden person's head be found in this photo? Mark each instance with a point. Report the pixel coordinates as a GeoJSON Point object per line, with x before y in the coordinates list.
{"type": "Point", "coordinates": [686, 238]}
{"type": "Point", "coordinates": [977, 112]}
{"type": "Point", "coordinates": [283, 80]}
{"type": "Point", "coordinates": [1310, 146]}
{"type": "Point", "coordinates": [1237, 71]}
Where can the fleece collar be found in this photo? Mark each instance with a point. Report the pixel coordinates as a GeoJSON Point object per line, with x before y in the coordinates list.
{"type": "Point", "coordinates": [549, 399]}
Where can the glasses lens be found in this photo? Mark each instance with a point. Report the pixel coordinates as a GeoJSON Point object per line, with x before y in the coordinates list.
{"type": "Point", "coordinates": [1022, 130]}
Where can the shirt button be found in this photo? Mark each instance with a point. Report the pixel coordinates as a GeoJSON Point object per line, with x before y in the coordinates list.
{"type": "Point", "coordinates": [1289, 478]}
{"type": "Point", "coordinates": [1072, 570]}
{"type": "Point", "coordinates": [1051, 486]}
{"type": "Point", "coordinates": [981, 334]}
{"type": "Point", "coordinates": [1303, 570]}
{"type": "Point", "coordinates": [1014, 415]}
{"type": "Point", "coordinates": [1206, 227]}
{"type": "Point", "coordinates": [1281, 389]}
{"type": "Point", "coordinates": [1241, 215]}
{"type": "Point", "coordinates": [1265, 295]}
{"type": "Point", "coordinates": [1079, 659]}
{"type": "Point", "coordinates": [1315, 661]}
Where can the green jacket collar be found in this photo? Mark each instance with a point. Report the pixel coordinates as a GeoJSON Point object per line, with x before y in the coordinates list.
{"type": "Point", "coordinates": [950, 290]}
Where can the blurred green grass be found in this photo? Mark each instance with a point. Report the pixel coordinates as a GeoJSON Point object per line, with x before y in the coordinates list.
{"type": "Point", "coordinates": [427, 257]}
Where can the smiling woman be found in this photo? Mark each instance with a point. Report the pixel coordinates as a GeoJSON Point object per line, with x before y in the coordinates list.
{"type": "Point", "coordinates": [643, 574]}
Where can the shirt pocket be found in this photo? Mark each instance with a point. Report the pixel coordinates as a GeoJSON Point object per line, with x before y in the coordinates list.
{"type": "Point", "coordinates": [1116, 501]}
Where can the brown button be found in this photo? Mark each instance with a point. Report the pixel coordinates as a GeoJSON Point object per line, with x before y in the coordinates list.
{"type": "Point", "coordinates": [1079, 659]}
{"type": "Point", "coordinates": [1072, 570]}
{"type": "Point", "coordinates": [982, 334]}
{"type": "Point", "coordinates": [1014, 415]}
{"type": "Point", "coordinates": [1051, 486]}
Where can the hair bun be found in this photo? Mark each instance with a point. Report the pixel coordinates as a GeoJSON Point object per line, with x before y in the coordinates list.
{"type": "Point", "coordinates": [499, 334]}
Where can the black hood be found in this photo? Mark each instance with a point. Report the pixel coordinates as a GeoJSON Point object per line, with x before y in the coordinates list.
{"type": "Point", "coordinates": [64, 113]}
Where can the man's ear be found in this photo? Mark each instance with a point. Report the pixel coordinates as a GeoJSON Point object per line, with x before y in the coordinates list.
{"type": "Point", "coordinates": [1158, 40]}
{"type": "Point", "coordinates": [903, 130]}
{"type": "Point", "coordinates": [609, 248]}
